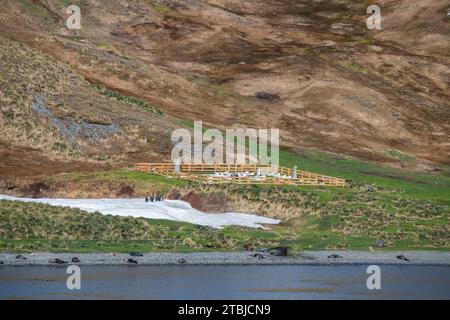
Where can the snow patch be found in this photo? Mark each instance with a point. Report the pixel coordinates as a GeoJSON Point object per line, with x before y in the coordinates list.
{"type": "Point", "coordinates": [174, 210]}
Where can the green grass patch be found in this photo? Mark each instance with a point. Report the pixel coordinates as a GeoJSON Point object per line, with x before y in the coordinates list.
{"type": "Point", "coordinates": [141, 181]}
{"type": "Point", "coordinates": [221, 91]}
{"type": "Point", "coordinates": [111, 49]}
{"type": "Point", "coordinates": [35, 9]}
{"type": "Point", "coordinates": [73, 38]}
{"type": "Point", "coordinates": [362, 42]}
{"type": "Point", "coordinates": [128, 99]}
{"type": "Point", "coordinates": [391, 181]}
{"type": "Point", "coordinates": [402, 157]}
{"type": "Point", "coordinates": [160, 8]}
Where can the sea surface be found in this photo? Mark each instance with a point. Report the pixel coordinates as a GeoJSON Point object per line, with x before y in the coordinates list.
{"type": "Point", "coordinates": [225, 282]}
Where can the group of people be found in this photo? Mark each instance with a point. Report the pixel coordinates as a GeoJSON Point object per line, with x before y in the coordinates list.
{"type": "Point", "coordinates": [154, 198]}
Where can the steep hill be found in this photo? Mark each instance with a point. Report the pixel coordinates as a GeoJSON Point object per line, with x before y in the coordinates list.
{"type": "Point", "coordinates": [111, 92]}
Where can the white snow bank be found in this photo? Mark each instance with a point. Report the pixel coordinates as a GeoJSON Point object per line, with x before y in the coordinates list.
{"type": "Point", "coordinates": [174, 210]}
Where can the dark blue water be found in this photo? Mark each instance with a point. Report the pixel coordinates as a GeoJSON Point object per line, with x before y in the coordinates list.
{"type": "Point", "coordinates": [226, 282]}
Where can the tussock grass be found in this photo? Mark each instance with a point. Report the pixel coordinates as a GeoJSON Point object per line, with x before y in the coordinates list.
{"type": "Point", "coordinates": [40, 227]}
{"type": "Point", "coordinates": [352, 218]}
{"type": "Point", "coordinates": [160, 8]}
{"type": "Point", "coordinates": [128, 99]}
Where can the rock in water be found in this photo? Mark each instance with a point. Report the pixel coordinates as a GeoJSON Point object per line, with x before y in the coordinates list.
{"type": "Point", "coordinates": [57, 261]}
{"type": "Point", "coordinates": [1, 262]}
{"type": "Point", "coordinates": [182, 261]}
{"type": "Point", "coordinates": [75, 260]}
{"type": "Point", "coordinates": [20, 257]}
{"type": "Point", "coordinates": [131, 261]}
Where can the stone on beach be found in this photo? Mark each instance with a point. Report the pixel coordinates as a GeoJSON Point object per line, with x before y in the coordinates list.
{"type": "Point", "coordinates": [131, 261]}
{"type": "Point", "coordinates": [136, 254]}
{"type": "Point", "coordinates": [261, 257]}
{"type": "Point", "coordinates": [57, 261]}
{"type": "Point", "coordinates": [402, 257]}
{"type": "Point", "coordinates": [278, 251]}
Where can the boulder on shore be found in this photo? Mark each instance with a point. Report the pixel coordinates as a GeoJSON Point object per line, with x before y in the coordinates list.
{"type": "Point", "coordinates": [278, 251]}
{"type": "Point", "coordinates": [334, 256]}
{"type": "Point", "coordinates": [131, 261]}
{"type": "Point", "coordinates": [57, 261]}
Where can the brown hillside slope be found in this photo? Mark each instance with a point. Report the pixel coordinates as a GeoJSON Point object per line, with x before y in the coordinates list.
{"type": "Point", "coordinates": [342, 88]}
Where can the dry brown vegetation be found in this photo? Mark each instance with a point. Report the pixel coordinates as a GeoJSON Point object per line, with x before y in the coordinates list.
{"type": "Point", "coordinates": [342, 88]}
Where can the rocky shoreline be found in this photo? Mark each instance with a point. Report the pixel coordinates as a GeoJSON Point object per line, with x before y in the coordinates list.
{"type": "Point", "coordinates": [228, 258]}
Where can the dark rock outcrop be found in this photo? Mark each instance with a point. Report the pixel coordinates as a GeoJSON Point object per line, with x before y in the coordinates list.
{"type": "Point", "coordinates": [125, 191]}
{"type": "Point", "coordinates": [57, 261]}
{"type": "Point", "coordinates": [278, 251]}
{"type": "Point", "coordinates": [267, 96]}
{"type": "Point", "coordinates": [136, 254]}
{"type": "Point", "coordinates": [214, 202]}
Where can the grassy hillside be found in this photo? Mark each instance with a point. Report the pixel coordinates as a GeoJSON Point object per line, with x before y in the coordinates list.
{"type": "Point", "coordinates": [393, 182]}
{"type": "Point", "coordinates": [407, 210]}
{"type": "Point", "coordinates": [113, 90]}
{"type": "Point", "coordinates": [112, 93]}
{"type": "Point", "coordinates": [403, 183]}
{"type": "Point", "coordinates": [120, 183]}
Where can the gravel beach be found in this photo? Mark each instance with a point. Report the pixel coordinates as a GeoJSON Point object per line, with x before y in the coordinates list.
{"type": "Point", "coordinates": [229, 258]}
